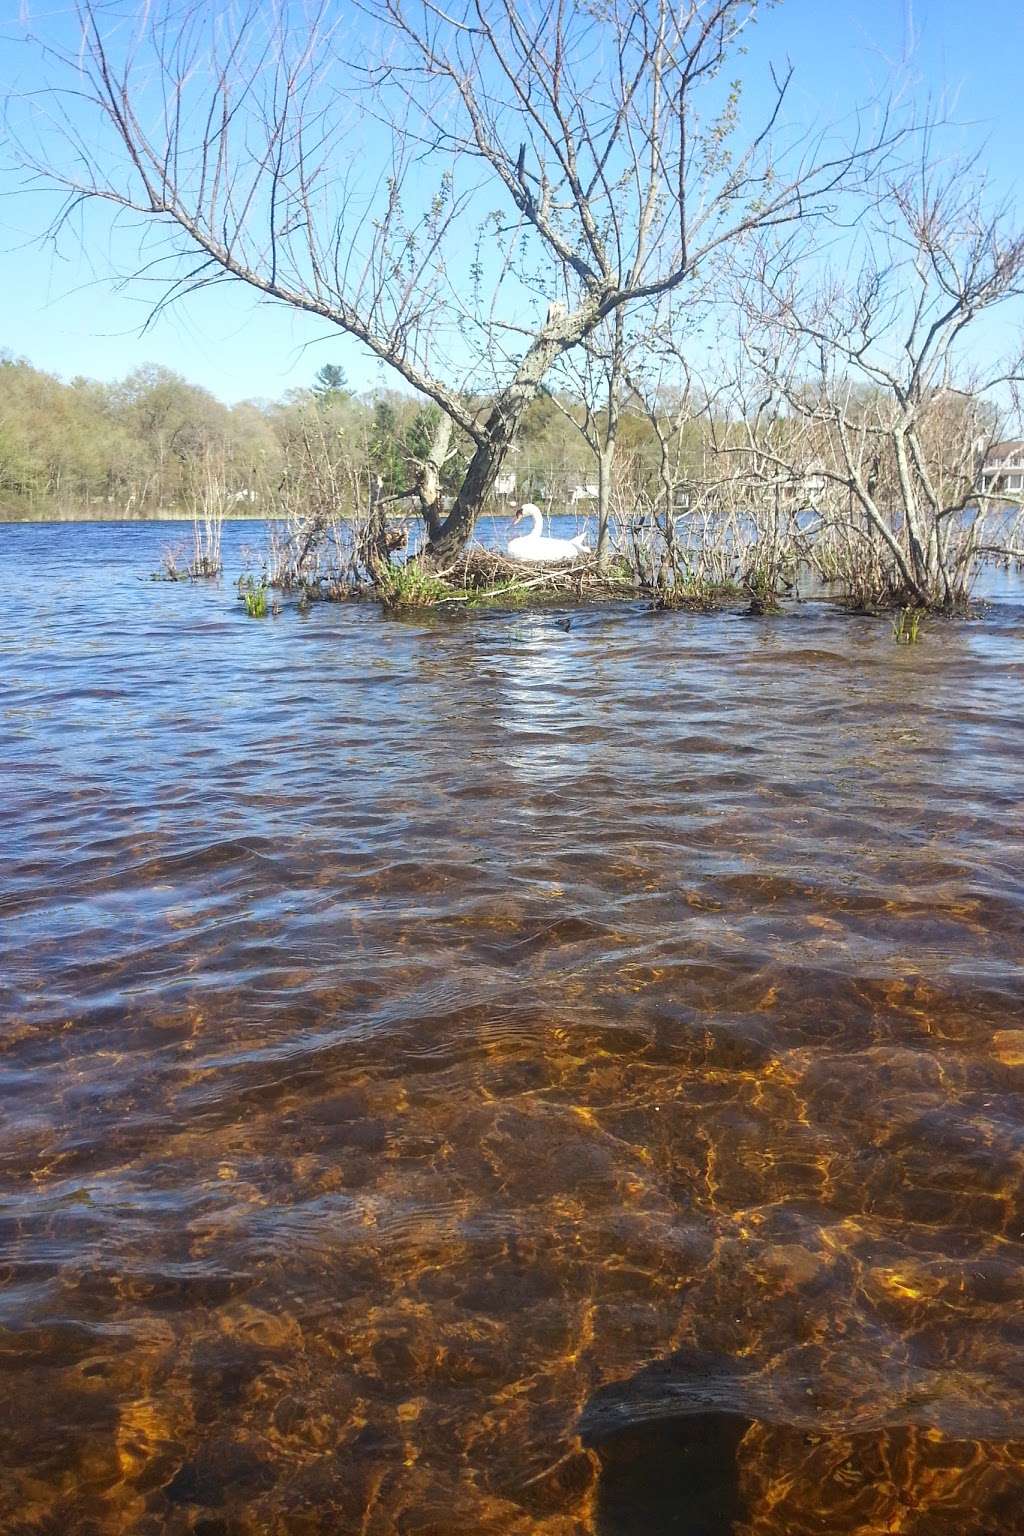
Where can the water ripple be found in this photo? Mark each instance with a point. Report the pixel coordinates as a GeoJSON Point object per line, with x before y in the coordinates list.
{"type": "Point", "coordinates": [488, 1078]}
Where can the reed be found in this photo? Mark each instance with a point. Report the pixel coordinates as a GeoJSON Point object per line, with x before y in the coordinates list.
{"type": "Point", "coordinates": [906, 626]}
{"type": "Point", "coordinates": [255, 599]}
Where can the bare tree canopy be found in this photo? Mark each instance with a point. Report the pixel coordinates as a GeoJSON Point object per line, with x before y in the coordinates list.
{"type": "Point", "coordinates": [862, 379]}
{"type": "Point", "coordinates": [466, 191]}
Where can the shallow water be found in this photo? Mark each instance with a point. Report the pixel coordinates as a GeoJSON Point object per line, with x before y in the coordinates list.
{"type": "Point", "coordinates": [488, 1077]}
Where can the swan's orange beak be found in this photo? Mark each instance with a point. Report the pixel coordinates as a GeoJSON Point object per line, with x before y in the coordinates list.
{"type": "Point", "coordinates": [518, 517]}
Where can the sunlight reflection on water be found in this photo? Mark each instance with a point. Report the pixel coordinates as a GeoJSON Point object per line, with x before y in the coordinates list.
{"type": "Point", "coordinates": [494, 1077]}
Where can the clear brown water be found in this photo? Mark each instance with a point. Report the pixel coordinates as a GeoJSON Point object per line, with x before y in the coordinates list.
{"type": "Point", "coordinates": [488, 1078]}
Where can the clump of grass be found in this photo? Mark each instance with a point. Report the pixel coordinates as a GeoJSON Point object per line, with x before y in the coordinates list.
{"type": "Point", "coordinates": [906, 626]}
{"type": "Point", "coordinates": [410, 586]}
{"type": "Point", "coordinates": [255, 599]}
{"type": "Point", "coordinates": [695, 589]}
{"type": "Point", "coordinates": [766, 581]}
{"type": "Point", "coordinates": [620, 569]}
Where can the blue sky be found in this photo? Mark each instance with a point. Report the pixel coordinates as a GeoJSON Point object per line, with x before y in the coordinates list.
{"type": "Point", "coordinates": [64, 314]}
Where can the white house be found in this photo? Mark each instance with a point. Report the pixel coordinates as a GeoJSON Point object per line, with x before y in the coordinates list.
{"type": "Point", "coordinates": [588, 492]}
{"type": "Point", "coordinates": [1002, 473]}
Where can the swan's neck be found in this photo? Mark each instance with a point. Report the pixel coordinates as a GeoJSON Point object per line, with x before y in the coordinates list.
{"type": "Point", "coordinates": [537, 523]}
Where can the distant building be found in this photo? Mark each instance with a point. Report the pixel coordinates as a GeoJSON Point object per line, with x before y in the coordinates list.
{"type": "Point", "coordinates": [588, 492]}
{"type": "Point", "coordinates": [1002, 472]}
{"type": "Point", "coordinates": [505, 483]}
{"type": "Point", "coordinates": [814, 484]}
{"type": "Point", "coordinates": [803, 485]}
{"type": "Point", "coordinates": [800, 489]}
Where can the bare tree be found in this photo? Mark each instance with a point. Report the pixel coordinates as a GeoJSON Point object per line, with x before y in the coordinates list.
{"type": "Point", "coordinates": [606, 131]}
{"type": "Point", "coordinates": [596, 375]}
{"type": "Point", "coordinates": [867, 385]}
{"type": "Point", "coordinates": [687, 518]}
{"type": "Point", "coordinates": [311, 550]}
{"type": "Point", "coordinates": [209, 498]}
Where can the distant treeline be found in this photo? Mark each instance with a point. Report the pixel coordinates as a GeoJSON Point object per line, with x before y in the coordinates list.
{"type": "Point", "coordinates": [148, 444]}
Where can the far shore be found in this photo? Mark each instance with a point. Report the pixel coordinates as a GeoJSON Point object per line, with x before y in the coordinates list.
{"type": "Point", "coordinates": [107, 514]}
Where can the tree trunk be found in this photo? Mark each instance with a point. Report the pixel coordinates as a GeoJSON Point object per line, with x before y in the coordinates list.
{"type": "Point", "coordinates": [372, 552]}
{"type": "Point", "coordinates": [605, 461]}
{"type": "Point", "coordinates": [925, 576]}
{"type": "Point", "coordinates": [428, 476]}
{"type": "Point", "coordinates": [502, 424]}
{"type": "Point", "coordinates": [606, 453]}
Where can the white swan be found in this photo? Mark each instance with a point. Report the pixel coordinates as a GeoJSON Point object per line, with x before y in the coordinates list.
{"type": "Point", "coordinates": [535, 547]}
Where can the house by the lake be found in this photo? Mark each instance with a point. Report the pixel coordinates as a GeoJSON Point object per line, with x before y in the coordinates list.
{"type": "Point", "coordinates": [1002, 472]}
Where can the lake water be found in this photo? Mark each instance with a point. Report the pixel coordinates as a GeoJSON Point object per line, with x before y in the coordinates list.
{"type": "Point", "coordinates": [487, 1077]}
